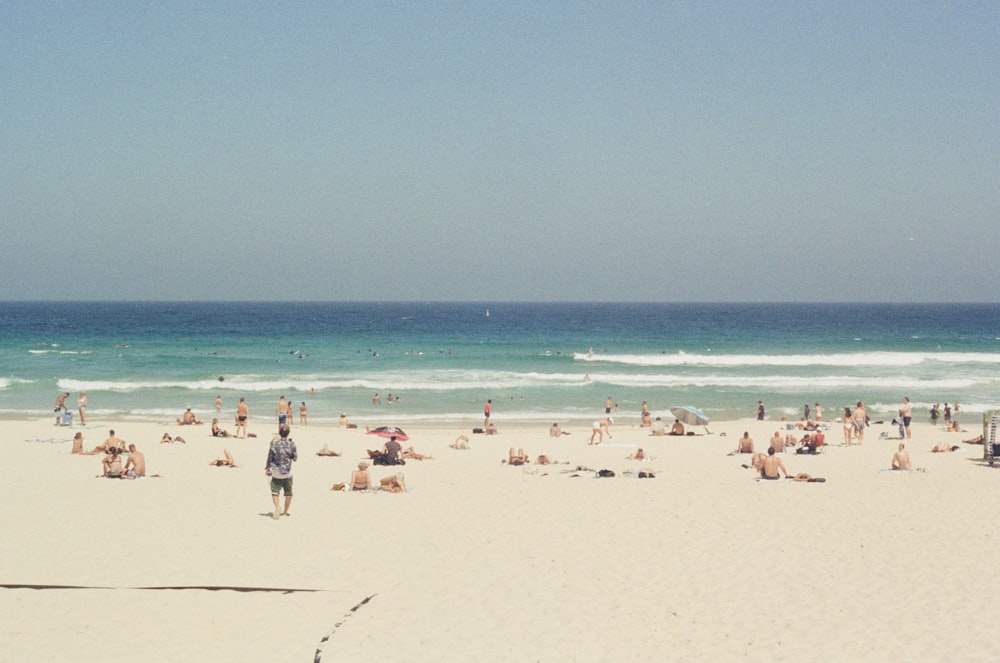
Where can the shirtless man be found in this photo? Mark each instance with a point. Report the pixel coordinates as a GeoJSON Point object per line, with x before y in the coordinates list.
{"type": "Point", "coordinates": [901, 459]}
{"type": "Point", "coordinates": [777, 443]}
{"type": "Point", "coordinates": [60, 404]}
{"type": "Point", "coordinates": [907, 414]}
{"type": "Point", "coordinates": [135, 466]}
{"type": "Point", "coordinates": [860, 420]}
{"type": "Point", "coordinates": [771, 465]}
{"type": "Point", "coordinates": [745, 445]}
{"type": "Point", "coordinates": [188, 418]}
{"type": "Point", "coordinates": [676, 429]}
{"type": "Point", "coordinates": [242, 412]}
{"type": "Point", "coordinates": [282, 411]}
{"type": "Point", "coordinates": [112, 441]}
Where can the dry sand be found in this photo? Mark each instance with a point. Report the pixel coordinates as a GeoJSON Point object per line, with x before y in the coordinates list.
{"type": "Point", "coordinates": [480, 561]}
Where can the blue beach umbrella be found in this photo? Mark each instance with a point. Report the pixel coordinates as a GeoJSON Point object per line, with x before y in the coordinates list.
{"type": "Point", "coordinates": [690, 415]}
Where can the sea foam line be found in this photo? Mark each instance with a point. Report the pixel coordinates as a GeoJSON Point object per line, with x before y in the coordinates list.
{"type": "Point", "coordinates": [852, 359]}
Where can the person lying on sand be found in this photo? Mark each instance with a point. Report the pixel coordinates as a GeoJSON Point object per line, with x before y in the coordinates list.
{"type": "Point", "coordinates": [802, 476]}
{"type": "Point", "coordinates": [519, 458]}
{"type": "Point", "coordinates": [953, 427]}
{"type": "Point", "coordinates": [410, 453]}
{"type": "Point", "coordinates": [461, 442]}
{"type": "Point", "coordinates": [942, 447]}
{"type": "Point", "coordinates": [901, 459]}
{"type": "Point", "coordinates": [227, 460]}
{"type": "Point", "coordinates": [166, 439]}
{"type": "Point", "coordinates": [360, 478]}
{"type": "Point", "coordinates": [327, 451]}
{"type": "Point", "coordinates": [394, 483]}
{"type": "Point", "coordinates": [638, 455]}
{"type": "Point", "coordinates": [544, 460]}
{"type": "Point", "coordinates": [976, 440]}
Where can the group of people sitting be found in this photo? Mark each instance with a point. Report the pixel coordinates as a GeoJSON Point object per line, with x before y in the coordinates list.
{"type": "Point", "coordinates": [658, 429]}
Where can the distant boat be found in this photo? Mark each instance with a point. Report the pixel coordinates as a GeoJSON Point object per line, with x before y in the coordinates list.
{"type": "Point", "coordinates": [487, 313]}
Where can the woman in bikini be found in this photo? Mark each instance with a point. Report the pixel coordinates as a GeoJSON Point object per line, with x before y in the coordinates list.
{"type": "Point", "coordinates": [360, 479]}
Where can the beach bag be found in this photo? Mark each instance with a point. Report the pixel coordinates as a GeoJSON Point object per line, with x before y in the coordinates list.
{"type": "Point", "coordinates": [605, 473]}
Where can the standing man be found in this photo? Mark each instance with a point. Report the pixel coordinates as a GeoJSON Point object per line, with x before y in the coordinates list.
{"type": "Point", "coordinates": [81, 404]}
{"type": "Point", "coordinates": [280, 456]}
{"type": "Point", "coordinates": [282, 412]}
{"type": "Point", "coordinates": [487, 410]}
{"type": "Point", "coordinates": [907, 414]}
{"type": "Point", "coordinates": [860, 417]}
{"type": "Point", "coordinates": [242, 412]}
{"type": "Point", "coordinates": [60, 404]}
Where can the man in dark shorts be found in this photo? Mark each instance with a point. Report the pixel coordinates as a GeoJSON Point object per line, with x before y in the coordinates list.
{"type": "Point", "coordinates": [280, 455]}
{"type": "Point", "coordinates": [771, 466]}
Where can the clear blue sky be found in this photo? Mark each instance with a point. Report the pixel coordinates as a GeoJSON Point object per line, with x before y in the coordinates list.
{"type": "Point", "coordinates": [662, 151]}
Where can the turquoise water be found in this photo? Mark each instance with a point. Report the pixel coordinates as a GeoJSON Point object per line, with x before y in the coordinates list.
{"type": "Point", "coordinates": [540, 362]}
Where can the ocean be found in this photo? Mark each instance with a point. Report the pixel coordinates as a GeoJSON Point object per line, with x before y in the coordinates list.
{"type": "Point", "coordinates": [540, 362]}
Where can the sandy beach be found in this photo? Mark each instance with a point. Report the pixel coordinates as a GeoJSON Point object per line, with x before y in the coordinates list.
{"type": "Point", "coordinates": [483, 561]}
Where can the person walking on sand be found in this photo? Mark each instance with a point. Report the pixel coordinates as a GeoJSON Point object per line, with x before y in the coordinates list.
{"type": "Point", "coordinates": [281, 454]}
{"type": "Point", "coordinates": [848, 422]}
{"type": "Point", "coordinates": [242, 412]}
{"type": "Point", "coordinates": [860, 420]}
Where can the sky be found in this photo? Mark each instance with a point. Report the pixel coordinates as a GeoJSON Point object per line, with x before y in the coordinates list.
{"type": "Point", "coordinates": [504, 151]}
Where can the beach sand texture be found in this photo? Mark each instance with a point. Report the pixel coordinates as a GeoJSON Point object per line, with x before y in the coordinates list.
{"type": "Point", "coordinates": [481, 561]}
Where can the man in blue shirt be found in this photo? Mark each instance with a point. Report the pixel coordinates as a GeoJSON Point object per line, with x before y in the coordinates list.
{"type": "Point", "coordinates": [280, 456]}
